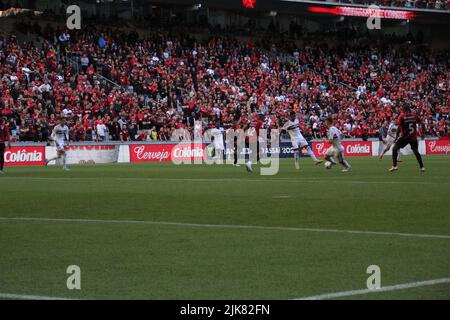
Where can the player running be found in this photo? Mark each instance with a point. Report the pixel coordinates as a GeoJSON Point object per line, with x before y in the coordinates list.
{"type": "Point", "coordinates": [60, 135]}
{"type": "Point", "coordinates": [408, 123]}
{"type": "Point", "coordinates": [334, 136]}
{"type": "Point", "coordinates": [4, 139]}
{"type": "Point", "coordinates": [292, 126]}
{"type": "Point", "coordinates": [390, 139]}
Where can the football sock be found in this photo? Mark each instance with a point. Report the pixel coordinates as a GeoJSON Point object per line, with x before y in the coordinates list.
{"type": "Point", "coordinates": [311, 154]}
{"type": "Point", "coordinates": [346, 164]}
{"type": "Point", "coordinates": [419, 158]}
{"type": "Point", "coordinates": [329, 158]}
{"type": "Point", "coordinates": [394, 157]}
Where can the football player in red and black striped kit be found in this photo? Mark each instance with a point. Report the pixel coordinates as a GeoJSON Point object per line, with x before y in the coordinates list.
{"type": "Point", "coordinates": [4, 139]}
{"type": "Point", "coordinates": [408, 123]}
{"type": "Point", "coordinates": [253, 125]}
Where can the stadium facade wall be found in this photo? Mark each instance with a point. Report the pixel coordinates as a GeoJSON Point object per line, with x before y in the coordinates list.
{"type": "Point", "coordinates": [34, 154]}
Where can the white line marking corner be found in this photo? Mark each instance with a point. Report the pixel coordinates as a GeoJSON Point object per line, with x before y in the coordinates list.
{"type": "Point", "coordinates": [14, 296]}
{"type": "Point", "coordinates": [402, 286]}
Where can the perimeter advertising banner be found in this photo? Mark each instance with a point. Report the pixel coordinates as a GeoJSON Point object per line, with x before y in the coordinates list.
{"type": "Point", "coordinates": [25, 156]}
{"type": "Point", "coordinates": [441, 146]}
{"type": "Point", "coordinates": [171, 152]}
{"type": "Point", "coordinates": [91, 154]}
{"type": "Point", "coordinates": [351, 148]}
{"type": "Point", "coordinates": [284, 150]}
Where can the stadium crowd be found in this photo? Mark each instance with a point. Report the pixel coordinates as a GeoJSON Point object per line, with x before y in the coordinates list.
{"type": "Point", "coordinates": [166, 82]}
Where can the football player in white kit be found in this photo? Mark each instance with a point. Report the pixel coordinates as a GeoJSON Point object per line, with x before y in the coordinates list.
{"type": "Point", "coordinates": [60, 136]}
{"type": "Point", "coordinates": [219, 147]}
{"type": "Point", "coordinates": [390, 139]}
{"type": "Point", "coordinates": [292, 126]}
{"type": "Point", "coordinates": [334, 136]}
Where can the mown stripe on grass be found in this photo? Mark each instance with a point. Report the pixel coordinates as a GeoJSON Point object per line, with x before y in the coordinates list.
{"type": "Point", "coordinates": [296, 180]}
{"type": "Point", "coordinates": [228, 226]}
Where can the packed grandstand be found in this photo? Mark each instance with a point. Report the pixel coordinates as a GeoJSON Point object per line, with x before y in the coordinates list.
{"type": "Point", "coordinates": [144, 87]}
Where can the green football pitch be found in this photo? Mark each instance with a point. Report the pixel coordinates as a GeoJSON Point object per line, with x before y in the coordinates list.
{"type": "Point", "coordinates": [160, 231]}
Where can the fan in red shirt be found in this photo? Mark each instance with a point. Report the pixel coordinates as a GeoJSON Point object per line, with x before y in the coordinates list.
{"type": "Point", "coordinates": [4, 138]}
{"type": "Point", "coordinates": [408, 123]}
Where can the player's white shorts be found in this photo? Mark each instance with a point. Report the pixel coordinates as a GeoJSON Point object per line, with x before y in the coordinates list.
{"type": "Point", "coordinates": [219, 146]}
{"type": "Point", "coordinates": [333, 151]}
{"type": "Point", "coordinates": [60, 146]}
{"type": "Point", "coordinates": [389, 142]}
{"type": "Point", "coordinates": [299, 143]}
{"type": "Point", "coordinates": [340, 148]}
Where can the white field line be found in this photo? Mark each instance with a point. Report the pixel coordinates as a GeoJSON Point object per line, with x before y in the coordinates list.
{"type": "Point", "coordinates": [228, 226]}
{"type": "Point", "coordinates": [403, 286]}
{"type": "Point", "coordinates": [318, 297]}
{"type": "Point", "coordinates": [14, 296]}
{"type": "Point", "coordinates": [299, 180]}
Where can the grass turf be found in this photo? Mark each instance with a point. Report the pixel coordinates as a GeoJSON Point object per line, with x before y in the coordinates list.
{"type": "Point", "coordinates": [180, 261]}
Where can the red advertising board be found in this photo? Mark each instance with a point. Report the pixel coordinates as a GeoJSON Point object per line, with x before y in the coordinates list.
{"type": "Point", "coordinates": [441, 146]}
{"type": "Point", "coordinates": [90, 148]}
{"type": "Point", "coordinates": [352, 148]}
{"type": "Point", "coordinates": [25, 156]}
{"type": "Point", "coordinates": [166, 152]}
{"type": "Point", "coordinates": [364, 12]}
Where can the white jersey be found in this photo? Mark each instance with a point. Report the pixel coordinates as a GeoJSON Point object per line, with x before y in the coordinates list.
{"type": "Point", "coordinates": [218, 138]}
{"type": "Point", "coordinates": [101, 130]}
{"type": "Point", "coordinates": [60, 134]}
{"type": "Point", "coordinates": [335, 135]}
{"type": "Point", "coordinates": [391, 134]}
{"type": "Point", "coordinates": [293, 129]}
{"type": "Point", "coordinates": [392, 131]}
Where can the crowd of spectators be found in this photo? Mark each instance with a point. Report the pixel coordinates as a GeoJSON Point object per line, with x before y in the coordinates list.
{"type": "Point", "coordinates": [167, 82]}
{"type": "Point", "coordinates": [419, 4]}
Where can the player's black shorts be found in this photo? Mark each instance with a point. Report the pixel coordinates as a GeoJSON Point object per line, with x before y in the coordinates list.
{"type": "Point", "coordinates": [403, 142]}
{"type": "Point", "coordinates": [2, 148]}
